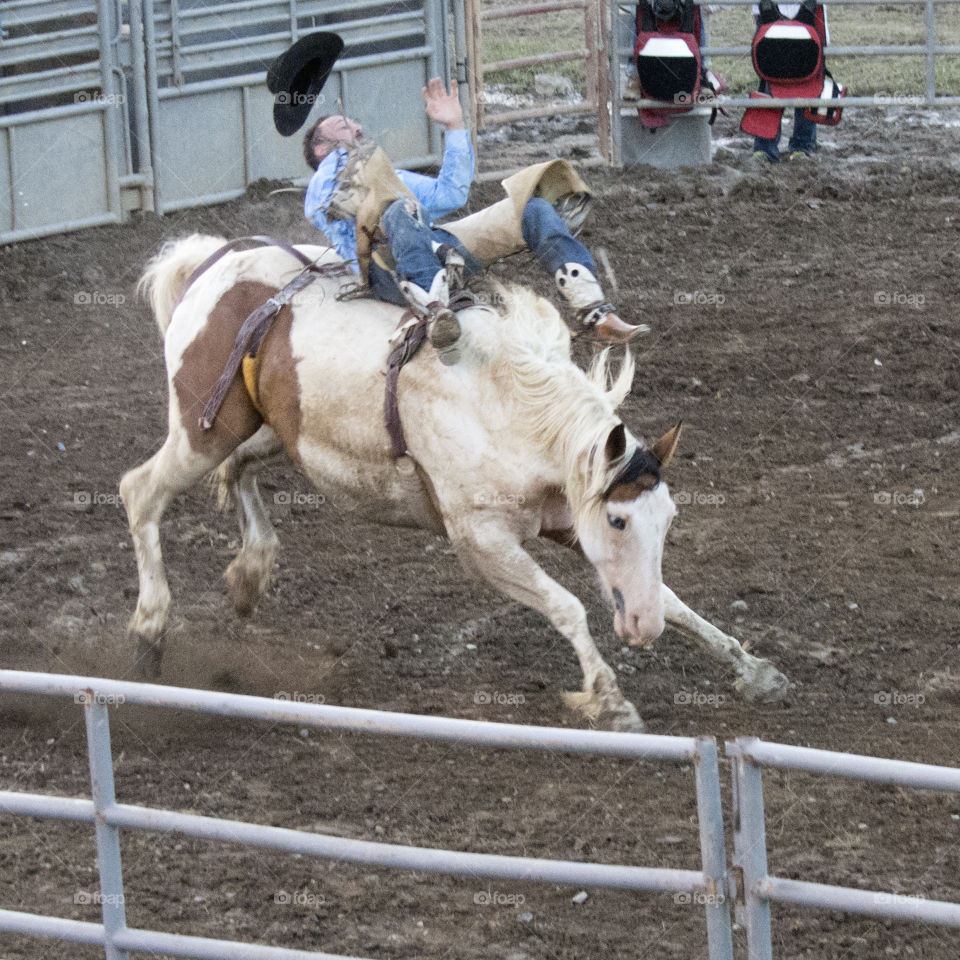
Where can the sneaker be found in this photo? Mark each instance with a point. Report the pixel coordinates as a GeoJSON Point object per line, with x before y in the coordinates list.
{"type": "Point", "coordinates": [444, 334]}
{"type": "Point", "coordinates": [764, 156]}
{"type": "Point", "coordinates": [800, 155]}
{"type": "Point", "coordinates": [444, 327]}
{"type": "Point", "coordinates": [454, 266]}
{"type": "Point", "coordinates": [631, 88]}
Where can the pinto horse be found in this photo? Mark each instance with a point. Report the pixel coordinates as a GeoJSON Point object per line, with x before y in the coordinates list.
{"type": "Point", "coordinates": [512, 443]}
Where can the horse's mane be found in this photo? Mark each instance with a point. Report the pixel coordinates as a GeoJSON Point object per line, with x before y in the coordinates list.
{"type": "Point", "coordinates": [567, 411]}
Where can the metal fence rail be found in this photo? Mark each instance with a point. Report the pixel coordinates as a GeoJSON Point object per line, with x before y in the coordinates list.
{"type": "Point", "coordinates": [621, 58]}
{"type": "Point", "coordinates": [756, 888]}
{"type": "Point", "coordinates": [473, 16]}
{"type": "Point", "coordinates": [109, 817]}
{"type": "Point", "coordinates": [158, 105]}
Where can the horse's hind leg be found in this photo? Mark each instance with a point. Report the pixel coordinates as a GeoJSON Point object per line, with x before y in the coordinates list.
{"type": "Point", "coordinates": [249, 573]}
{"type": "Point", "coordinates": [147, 491]}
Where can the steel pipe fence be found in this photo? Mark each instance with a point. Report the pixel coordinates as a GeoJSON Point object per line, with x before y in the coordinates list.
{"type": "Point", "coordinates": [472, 15]}
{"type": "Point", "coordinates": [169, 101]}
{"type": "Point", "coordinates": [621, 56]}
{"type": "Point", "coordinates": [708, 884]}
{"type": "Point", "coordinates": [756, 889]}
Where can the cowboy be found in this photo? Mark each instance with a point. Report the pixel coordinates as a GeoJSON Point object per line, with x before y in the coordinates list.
{"type": "Point", "coordinates": [426, 258]}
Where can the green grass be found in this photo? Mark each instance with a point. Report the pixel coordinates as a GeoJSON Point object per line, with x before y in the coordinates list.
{"type": "Point", "coordinates": [900, 76]}
{"type": "Point", "coordinates": [527, 36]}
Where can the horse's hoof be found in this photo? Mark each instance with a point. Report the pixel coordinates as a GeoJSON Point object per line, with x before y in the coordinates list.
{"type": "Point", "coordinates": [623, 719]}
{"type": "Point", "coordinates": [620, 716]}
{"type": "Point", "coordinates": [241, 596]}
{"type": "Point", "coordinates": [763, 683]}
{"type": "Point", "coordinates": [247, 579]}
{"type": "Point", "coordinates": [149, 659]}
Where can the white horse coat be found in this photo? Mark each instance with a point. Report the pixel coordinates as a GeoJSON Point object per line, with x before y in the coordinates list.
{"type": "Point", "coordinates": [511, 443]}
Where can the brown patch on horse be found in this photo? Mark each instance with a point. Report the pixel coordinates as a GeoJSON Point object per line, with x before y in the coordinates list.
{"type": "Point", "coordinates": [278, 386]}
{"type": "Point", "coordinates": [633, 489]}
{"type": "Point", "coordinates": [202, 363]}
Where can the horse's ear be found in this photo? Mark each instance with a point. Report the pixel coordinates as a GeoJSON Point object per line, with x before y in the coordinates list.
{"type": "Point", "coordinates": [666, 446]}
{"type": "Point", "coordinates": [616, 443]}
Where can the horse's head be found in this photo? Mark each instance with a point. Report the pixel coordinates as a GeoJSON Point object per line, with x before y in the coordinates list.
{"type": "Point", "coordinates": [624, 540]}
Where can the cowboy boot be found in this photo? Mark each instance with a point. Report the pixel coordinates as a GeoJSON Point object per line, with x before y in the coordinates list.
{"type": "Point", "coordinates": [581, 290]}
{"type": "Point", "coordinates": [444, 327]}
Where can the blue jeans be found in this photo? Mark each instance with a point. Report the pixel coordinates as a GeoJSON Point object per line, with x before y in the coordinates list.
{"type": "Point", "coordinates": [803, 138]}
{"type": "Point", "coordinates": [411, 242]}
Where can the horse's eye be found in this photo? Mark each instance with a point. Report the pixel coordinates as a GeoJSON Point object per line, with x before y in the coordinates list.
{"type": "Point", "coordinates": [618, 523]}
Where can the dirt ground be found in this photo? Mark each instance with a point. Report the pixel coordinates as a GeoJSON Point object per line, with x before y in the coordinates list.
{"type": "Point", "coordinates": [803, 327]}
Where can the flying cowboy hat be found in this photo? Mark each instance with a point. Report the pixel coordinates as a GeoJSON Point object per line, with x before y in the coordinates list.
{"type": "Point", "coordinates": [297, 76]}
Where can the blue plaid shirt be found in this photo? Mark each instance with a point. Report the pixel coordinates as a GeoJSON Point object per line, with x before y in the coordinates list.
{"type": "Point", "coordinates": [438, 195]}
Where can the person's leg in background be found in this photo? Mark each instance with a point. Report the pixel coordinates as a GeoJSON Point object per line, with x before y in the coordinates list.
{"type": "Point", "coordinates": [763, 148]}
{"type": "Point", "coordinates": [803, 140]}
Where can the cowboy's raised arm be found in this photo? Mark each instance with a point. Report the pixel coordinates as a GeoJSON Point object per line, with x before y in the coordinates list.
{"type": "Point", "coordinates": [448, 191]}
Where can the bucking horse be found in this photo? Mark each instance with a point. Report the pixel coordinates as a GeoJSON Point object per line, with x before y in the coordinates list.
{"type": "Point", "coordinates": [512, 443]}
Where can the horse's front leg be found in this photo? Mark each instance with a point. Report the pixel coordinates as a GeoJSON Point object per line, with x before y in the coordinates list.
{"type": "Point", "coordinates": [495, 554]}
{"type": "Point", "coordinates": [758, 680]}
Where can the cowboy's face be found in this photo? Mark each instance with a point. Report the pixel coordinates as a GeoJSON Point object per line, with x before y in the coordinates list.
{"type": "Point", "coordinates": [337, 130]}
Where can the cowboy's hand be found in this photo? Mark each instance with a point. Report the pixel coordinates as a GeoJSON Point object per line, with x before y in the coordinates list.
{"type": "Point", "coordinates": [442, 106]}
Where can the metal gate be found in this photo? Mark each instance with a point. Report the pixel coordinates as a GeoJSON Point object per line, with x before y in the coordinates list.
{"type": "Point", "coordinates": [108, 106]}
{"type": "Point", "coordinates": [94, 694]}
{"type": "Point", "coordinates": [61, 151]}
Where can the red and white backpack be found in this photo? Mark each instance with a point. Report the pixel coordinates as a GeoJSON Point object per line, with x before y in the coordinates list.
{"type": "Point", "coordinates": [788, 58]}
{"type": "Point", "coordinates": [667, 57]}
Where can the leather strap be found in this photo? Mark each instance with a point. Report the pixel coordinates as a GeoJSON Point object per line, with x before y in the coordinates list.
{"type": "Point", "coordinates": [232, 245]}
{"type": "Point", "coordinates": [399, 355]}
{"type": "Point", "coordinates": [254, 329]}
{"type": "Point", "coordinates": [405, 350]}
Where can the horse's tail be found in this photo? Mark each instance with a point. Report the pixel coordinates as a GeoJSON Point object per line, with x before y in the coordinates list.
{"type": "Point", "coordinates": [166, 275]}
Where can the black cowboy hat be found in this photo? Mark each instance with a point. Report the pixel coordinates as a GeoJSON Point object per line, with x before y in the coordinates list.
{"type": "Point", "coordinates": [297, 76]}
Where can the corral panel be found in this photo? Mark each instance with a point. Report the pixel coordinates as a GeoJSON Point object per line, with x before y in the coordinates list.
{"type": "Point", "coordinates": [203, 148]}
{"type": "Point", "coordinates": [59, 171]}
